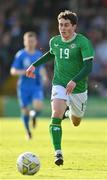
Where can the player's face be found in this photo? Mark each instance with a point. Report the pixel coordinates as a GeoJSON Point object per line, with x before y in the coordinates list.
{"type": "Point", "coordinates": [66, 29]}
{"type": "Point", "coordinates": [30, 42]}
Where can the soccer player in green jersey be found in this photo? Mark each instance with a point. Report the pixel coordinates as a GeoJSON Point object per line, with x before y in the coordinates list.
{"type": "Point", "coordinates": [73, 56]}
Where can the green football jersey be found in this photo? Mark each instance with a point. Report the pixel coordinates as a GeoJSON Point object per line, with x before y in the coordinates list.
{"type": "Point", "coordinates": [69, 58]}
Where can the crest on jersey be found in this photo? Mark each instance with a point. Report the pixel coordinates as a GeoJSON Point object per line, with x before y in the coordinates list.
{"type": "Point", "coordinates": [73, 46]}
{"type": "Point", "coordinates": [56, 45]}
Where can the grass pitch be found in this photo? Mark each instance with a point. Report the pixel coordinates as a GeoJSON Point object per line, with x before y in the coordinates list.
{"type": "Point", "coordinates": [84, 149]}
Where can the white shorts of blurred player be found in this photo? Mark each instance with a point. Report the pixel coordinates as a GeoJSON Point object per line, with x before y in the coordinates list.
{"type": "Point", "coordinates": [76, 102]}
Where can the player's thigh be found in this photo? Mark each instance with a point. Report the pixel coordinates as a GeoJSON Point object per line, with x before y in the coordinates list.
{"type": "Point", "coordinates": [58, 92]}
{"type": "Point", "coordinates": [59, 99]}
{"type": "Point", "coordinates": [37, 97]}
{"type": "Point", "coordinates": [37, 93]}
{"type": "Point", "coordinates": [24, 100]}
{"type": "Point", "coordinates": [58, 107]}
{"type": "Point", "coordinates": [78, 104]}
{"type": "Point", "coordinates": [25, 110]}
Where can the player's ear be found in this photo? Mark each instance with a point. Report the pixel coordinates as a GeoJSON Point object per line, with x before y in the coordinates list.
{"type": "Point", "coordinates": [74, 26]}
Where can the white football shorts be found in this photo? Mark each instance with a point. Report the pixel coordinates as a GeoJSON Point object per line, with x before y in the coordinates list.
{"type": "Point", "coordinates": [76, 102]}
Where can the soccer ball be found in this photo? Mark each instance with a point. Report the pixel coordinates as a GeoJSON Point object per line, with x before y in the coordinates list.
{"type": "Point", "coordinates": [28, 163]}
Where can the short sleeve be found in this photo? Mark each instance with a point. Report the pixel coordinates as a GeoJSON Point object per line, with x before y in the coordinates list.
{"type": "Point", "coordinates": [17, 62]}
{"type": "Point", "coordinates": [87, 50]}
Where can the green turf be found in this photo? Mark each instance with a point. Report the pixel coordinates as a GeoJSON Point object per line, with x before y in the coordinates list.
{"type": "Point", "coordinates": [84, 149]}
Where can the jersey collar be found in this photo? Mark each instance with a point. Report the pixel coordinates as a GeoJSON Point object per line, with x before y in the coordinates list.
{"type": "Point", "coordinates": [74, 36]}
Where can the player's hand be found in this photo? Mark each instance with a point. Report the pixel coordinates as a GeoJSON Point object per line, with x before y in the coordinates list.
{"type": "Point", "coordinates": [30, 72]}
{"type": "Point", "coordinates": [70, 87]}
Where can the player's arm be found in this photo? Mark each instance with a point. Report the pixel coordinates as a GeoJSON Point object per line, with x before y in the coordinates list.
{"type": "Point", "coordinates": [87, 68]}
{"type": "Point", "coordinates": [45, 58]}
{"type": "Point", "coordinates": [44, 75]}
{"type": "Point", "coordinates": [15, 72]}
{"type": "Point", "coordinates": [87, 52]}
{"type": "Point", "coordinates": [16, 68]}
{"type": "Point", "coordinates": [84, 72]}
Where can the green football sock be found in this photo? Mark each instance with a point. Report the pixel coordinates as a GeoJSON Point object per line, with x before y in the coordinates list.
{"type": "Point", "coordinates": [56, 132]}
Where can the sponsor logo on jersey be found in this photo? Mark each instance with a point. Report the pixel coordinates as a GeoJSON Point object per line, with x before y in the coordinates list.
{"type": "Point", "coordinates": [73, 46]}
{"type": "Point", "coordinates": [56, 45]}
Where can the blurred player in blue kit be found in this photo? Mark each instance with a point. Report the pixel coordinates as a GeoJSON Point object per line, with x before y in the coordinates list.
{"type": "Point", "coordinates": [29, 91]}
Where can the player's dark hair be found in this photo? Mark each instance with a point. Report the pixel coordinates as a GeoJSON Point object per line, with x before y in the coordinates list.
{"type": "Point", "coordinates": [30, 34]}
{"type": "Point", "coordinates": [69, 15]}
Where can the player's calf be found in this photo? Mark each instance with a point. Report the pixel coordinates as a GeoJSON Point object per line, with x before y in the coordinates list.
{"type": "Point", "coordinates": [32, 114]}
{"type": "Point", "coordinates": [76, 120]}
{"type": "Point", "coordinates": [28, 135]}
{"type": "Point", "coordinates": [66, 113]}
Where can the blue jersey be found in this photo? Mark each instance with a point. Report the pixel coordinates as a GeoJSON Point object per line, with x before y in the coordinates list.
{"type": "Point", "coordinates": [22, 61]}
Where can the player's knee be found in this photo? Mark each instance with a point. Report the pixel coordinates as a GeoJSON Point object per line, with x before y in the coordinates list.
{"type": "Point", "coordinates": [25, 111]}
{"type": "Point", "coordinates": [57, 114]}
{"type": "Point", "coordinates": [76, 121]}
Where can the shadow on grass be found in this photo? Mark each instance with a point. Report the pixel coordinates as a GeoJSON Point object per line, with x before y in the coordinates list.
{"type": "Point", "coordinates": [79, 169]}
